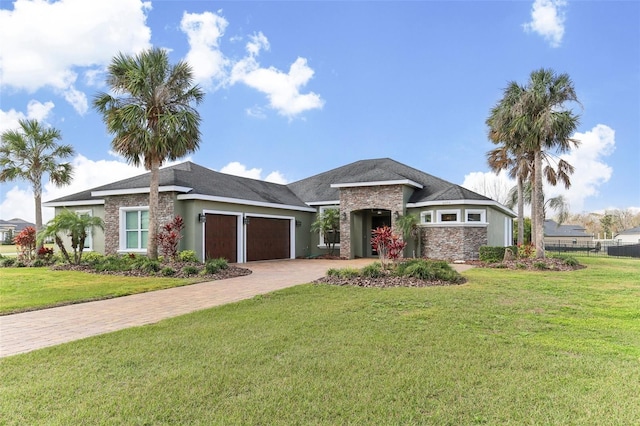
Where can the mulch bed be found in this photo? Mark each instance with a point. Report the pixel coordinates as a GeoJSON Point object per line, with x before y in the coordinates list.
{"type": "Point", "coordinates": [231, 272]}
{"type": "Point", "coordinates": [550, 264]}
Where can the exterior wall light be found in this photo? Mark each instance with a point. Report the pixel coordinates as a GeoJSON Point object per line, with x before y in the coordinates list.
{"type": "Point", "coordinates": [202, 218]}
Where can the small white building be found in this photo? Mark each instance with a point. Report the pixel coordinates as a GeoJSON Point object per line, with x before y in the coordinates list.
{"type": "Point", "coordinates": [630, 236]}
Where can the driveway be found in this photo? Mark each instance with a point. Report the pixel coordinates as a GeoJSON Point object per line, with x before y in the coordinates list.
{"type": "Point", "coordinates": [24, 332]}
{"type": "Point", "coordinates": [28, 331]}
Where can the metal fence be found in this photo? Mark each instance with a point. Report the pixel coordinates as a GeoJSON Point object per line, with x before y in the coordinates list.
{"type": "Point", "coordinates": [595, 248]}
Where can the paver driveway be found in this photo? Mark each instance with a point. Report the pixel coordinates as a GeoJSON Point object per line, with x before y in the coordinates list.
{"type": "Point", "coordinates": [28, 331]}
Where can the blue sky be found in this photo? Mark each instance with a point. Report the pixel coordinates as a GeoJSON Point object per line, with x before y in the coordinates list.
{"type": "Point", "coordinates": [295, 88]}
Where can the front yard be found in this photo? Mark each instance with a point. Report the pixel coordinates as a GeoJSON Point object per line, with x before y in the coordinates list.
{"type": "Point", "coordinates": [507, 347]}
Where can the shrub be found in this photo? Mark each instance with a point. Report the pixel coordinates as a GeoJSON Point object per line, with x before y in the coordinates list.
{"type": "Point", "coordinates": [25, 242]}
{"type": "Point", "coordinates": [540, 265]}
{"type": "Point", "coordinates": [38, 263]}
{"type": "Point", "coordinates": [373, 270]}
{"type": "Point", "coordinates": [168, 271]}
{"type": "Point", "coordinates": [333, 272]}
{"type": "Point", "coordinates": [493, 254]}
{"type": "Point", "coordinates": [190, 270]}
{"type": "Point", "coordinates": [349, 273]}
{"type": "Point", "coordinates": [8, 262]}
{"type": "Point", "coordinates": [150, 266]}
{"type": "Point", "coordinates": [188, 256]}
{"type": "Point", "coordinates": [387, 244]}
{"type": "Point", "coordinates": [214, 265]}
{"type": "Point", "coordinates": [92, 258]}
{"type": "Point", "coordinates": [526, 251]}
{"type": "Point", "coordinates": [114, 263]}
{"type": "Point", "coordinates": [45, 253]}
{"type": "Point", "coordinates": [567, 259]}
{"type": "Point", "coordinates": [429, 270]}
{"type": "Point", "coordinates": [169, 237]}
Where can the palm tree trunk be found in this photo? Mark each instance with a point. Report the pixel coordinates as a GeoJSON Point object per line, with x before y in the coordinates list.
{"type": "Point", "coordinates": [538, 205]}
{"type": "Point", "coordinates": [152, 243]}
{"type": "Point", "coordinates": [520, 211]}
{"type": "Point", "coordinates": [37, 196]}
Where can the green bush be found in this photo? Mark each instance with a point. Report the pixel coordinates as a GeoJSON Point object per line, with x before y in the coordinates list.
{"type": "Point", "coordinates": [349, 273]}
{"type": "Point", "coordinates": [114, 263]}
{"type": "Point", "coordinates": [150, 266]}
{"type": "Point", "coordinates": [168, 271]}
{"type": "Point", "coordinates": [372, 271]}
{"type": "Point", "coordinates": [333, 272]}
{"type": "Point", "coordinates": [38, 263]}
{"type": "Point", "coordinates": [190, 270]}
{"type": "Point", "coordinates": [214, 265]}
{"type": "Point", "coordinates": [493, 254]}
{"type": "Point", "coordinates": [188, 256]}
{"type": "Point", "coordinates": [429, 270]}
{"type": "Point", "coordinates": [92, 258]}
{"type": "Point", "coordinates": [8, 262]}
{"type": "Point", "coordinates": [567, 259]}
{"type": "Point", "coordinates": [540, 265]}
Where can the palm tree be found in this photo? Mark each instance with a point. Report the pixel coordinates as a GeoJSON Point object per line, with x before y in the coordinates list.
{"type": "Point", "coordinates": [510, 155]}
{"type": "Point", "coordinates": [547, 126]}
{"type": "Point", "coordinates": [558, 204]}
{"type": "Point", "coordinates": [408, 224]}
{"type": "Point", "coordinates": [30, 153]}
{"type": "Point", "coordinates": [327, 224]}
{"type": "Point", "coordinates": [151, 116]}
{"type": "Point", "coordinates": [77, 227]}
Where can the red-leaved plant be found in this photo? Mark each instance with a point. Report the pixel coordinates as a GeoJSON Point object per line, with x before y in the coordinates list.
{"type": "Point", "coordinates": [387, 244]}
{"type": "Point", "coordinates": [169, 237]}
{"type": "Point", "coordinates": [25, 243]}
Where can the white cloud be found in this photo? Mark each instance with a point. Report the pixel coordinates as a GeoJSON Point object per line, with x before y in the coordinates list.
{"type": "Point", "coordinates": [35, 110]}
{"type": "Point", "coordinates": [204, 31]}
{"type": "Point", "coordinates": [590, 169]}
{"type": "Point", "coordinates": [237, 169]}
{"type": "Point", "coordinates": [48, 44]}
{"type": "Point", "coordinates": [282, 89]}
{"type": "Point", "coordinates": [547, 20]}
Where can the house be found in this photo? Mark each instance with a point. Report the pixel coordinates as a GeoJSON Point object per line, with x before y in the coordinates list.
{"type": "Point", "coordinates": [10, 228]}
{"type": "Point", "coordinates": [245, 219]}
{"type": "Point", "coordinates": [565, 235]}
{"type": "Point", "coordinates": [631, 236]}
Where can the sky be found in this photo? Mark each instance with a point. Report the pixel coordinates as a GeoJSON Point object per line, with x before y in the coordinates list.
{"type": "Point", "coordinates": [296, 88]}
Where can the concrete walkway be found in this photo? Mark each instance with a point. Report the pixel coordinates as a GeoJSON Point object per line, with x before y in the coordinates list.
{"type": "Point", "coordinates": [28, 331]}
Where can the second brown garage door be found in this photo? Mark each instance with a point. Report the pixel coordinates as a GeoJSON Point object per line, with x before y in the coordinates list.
{"type": "Point", "coordinates": [268, 238]}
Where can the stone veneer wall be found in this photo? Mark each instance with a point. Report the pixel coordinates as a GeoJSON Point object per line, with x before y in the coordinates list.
{"type": "Point", "coordinates": [453, 242]}
{"type": "Point", "coordinates": [387, 197]}
{"type": "Point", "coordinates": [112, 206]}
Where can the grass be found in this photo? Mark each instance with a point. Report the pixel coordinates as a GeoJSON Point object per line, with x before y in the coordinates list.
{"type": "Point", "coordinates": [23, 289]}
{"type": "Point", "coordinates": [508, 347]}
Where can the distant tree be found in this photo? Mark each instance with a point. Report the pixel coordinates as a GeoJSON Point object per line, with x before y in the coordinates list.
{"type": "Point", "coordinates": [526, 237]}
{"type": "Point", "coordinates": [151, 116]}
{"type": "Point", "coordinates": [327, 224]}
{"type": "Point", "coordinates": [30, 153]}
{"type": "Point", "coordinates": [76, 227]}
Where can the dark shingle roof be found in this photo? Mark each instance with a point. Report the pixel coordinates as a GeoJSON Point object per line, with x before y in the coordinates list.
{"type": "Point", "coordinates": [202, 181]}
{"type": "Point", "coordinates": [318, 188]}
{"type": "Point", "coordinates": [552, 229]}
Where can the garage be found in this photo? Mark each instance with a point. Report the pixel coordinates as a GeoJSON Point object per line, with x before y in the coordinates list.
{"type": "Point", "coordinates": [268, 238]}
{"type": "Point", "coordinates": [221, 237]}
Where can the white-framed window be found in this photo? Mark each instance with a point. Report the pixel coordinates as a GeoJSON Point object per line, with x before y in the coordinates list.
{"type": "Point", "coordinates": [476, 215]}
{"type": "Point", "coordinates": [88, 241]}
{"type": "Point", "coordinates": [134, 228]}
{"type": "Point", "coordinates": [331, 237]}
{"type": "Point", "coordinates": [448, 216]}
{"type": "Point", "coordinates": [426, 217]}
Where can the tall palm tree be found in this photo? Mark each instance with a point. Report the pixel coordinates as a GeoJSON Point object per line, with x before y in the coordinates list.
{"type": "Point", "coordinates": [31, 152]}
{"type": "Point", "coordinates": [151, 116]}
{"type": "Point", "coordinates": [510, 155]}
{"type": "Point", "coordinates": [547, 126]}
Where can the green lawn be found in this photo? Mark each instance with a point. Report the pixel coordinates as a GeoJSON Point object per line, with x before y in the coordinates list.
{"type": "Point", "coordinates": [507, 348]}
{"type": "Point", "coordinates": [36, 288]}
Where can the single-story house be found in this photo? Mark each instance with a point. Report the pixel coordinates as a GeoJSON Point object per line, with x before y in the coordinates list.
{"type": "Point", "coordinates": [244, 219]}
{"type": "Point", "coordinates": [631, 236]}
{"type": "Point", "coordinates": [12, 227]}
{"type": "Point", "coordinates": [565, 235]}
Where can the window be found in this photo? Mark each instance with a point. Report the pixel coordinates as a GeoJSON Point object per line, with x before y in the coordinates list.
{"type": "Point", "coordinates": [88, 241]}
{"type": "Point", "coordinates": [426, 217]}
{"type": "Point", "coordinates": [476, 216]}
{"type": "Point", "coordinates": [448, 215]}
{"type": "Point", "coordinates": [135, 228]}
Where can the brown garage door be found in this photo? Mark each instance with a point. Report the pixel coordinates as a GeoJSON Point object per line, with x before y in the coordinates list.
{"type": "Point", "coordinates": [268, 238]}
{"type": "Point", "coordinates": [221, 237]}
